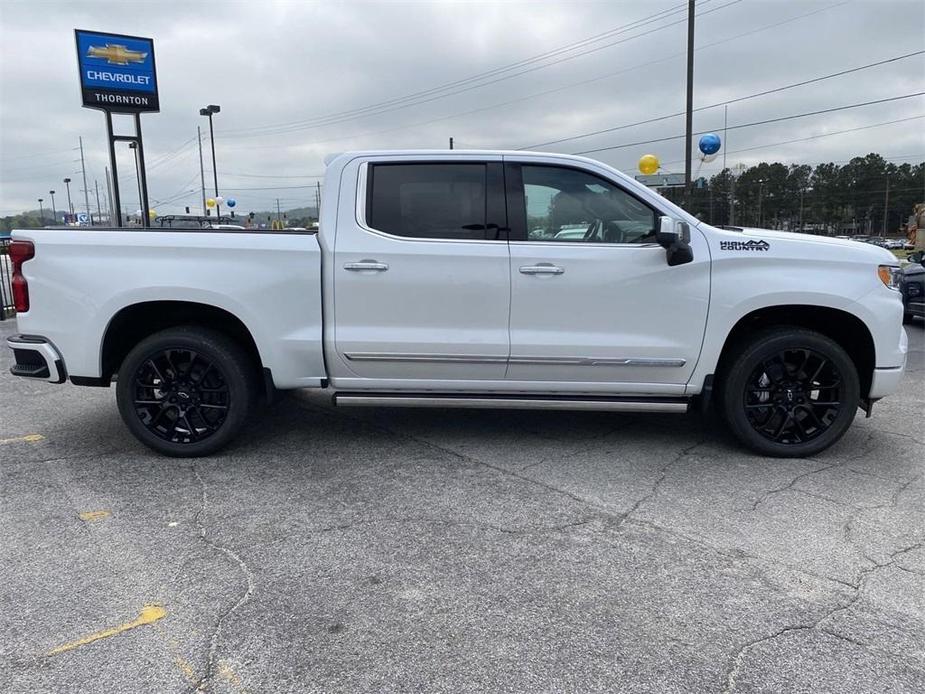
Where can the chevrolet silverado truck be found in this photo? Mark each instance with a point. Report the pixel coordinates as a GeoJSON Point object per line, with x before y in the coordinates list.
{"type": "Point", "coordinates": [444, 279]}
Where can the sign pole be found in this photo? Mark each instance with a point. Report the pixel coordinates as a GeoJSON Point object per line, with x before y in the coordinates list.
{"type": "Point", "coordinates": [142, 177]}
{"type": "Point", "coordinates": [117, 203]}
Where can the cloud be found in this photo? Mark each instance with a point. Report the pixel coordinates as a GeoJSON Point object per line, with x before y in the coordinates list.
{"type": "Point", "coordinates": [293, 79]}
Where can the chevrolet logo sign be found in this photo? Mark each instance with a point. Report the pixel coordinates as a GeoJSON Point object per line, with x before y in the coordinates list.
{"type": "Point", "coordinates": [116, 54]}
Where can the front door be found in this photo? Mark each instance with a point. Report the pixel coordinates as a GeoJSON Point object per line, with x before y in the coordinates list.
{"type": "Point", "coordinates": [422, 282]}
{"type": "Point", "coordinates": [593, 300]}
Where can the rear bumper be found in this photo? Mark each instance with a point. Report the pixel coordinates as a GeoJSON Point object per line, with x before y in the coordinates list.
{"type": "Point", "coordinates": [35, 357]}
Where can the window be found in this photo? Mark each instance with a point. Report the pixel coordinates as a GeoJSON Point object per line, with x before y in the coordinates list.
{"type": "Point", "coordinates": [570, 205]}
{"type": "Point", "coordinates": [428, 201]}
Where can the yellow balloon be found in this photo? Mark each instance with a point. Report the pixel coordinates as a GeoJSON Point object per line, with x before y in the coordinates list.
{"type": "Point", "coordinates": [210, 202]}
{"type": "Point", "coordinates": [648, 164]}
{"type": "Point", "coordinates": [152, 214]}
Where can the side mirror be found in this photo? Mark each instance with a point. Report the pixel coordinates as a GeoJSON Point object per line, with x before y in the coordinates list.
{"type": "Point", "coordinates": [674, 236]}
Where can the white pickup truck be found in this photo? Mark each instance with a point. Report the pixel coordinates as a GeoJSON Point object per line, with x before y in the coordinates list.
{"type": "Point", "coordinates": [467, 279]}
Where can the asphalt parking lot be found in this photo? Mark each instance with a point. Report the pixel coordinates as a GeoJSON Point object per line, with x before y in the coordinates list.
{"type": "Point", "coordinates": [452, 551]}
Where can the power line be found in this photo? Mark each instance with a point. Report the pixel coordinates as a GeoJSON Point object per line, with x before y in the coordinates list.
{"type": "Point", "coordinates": [761, 122]}
{"type": "Point", "coordinates": [572, 85]}
{"type": "Point", "coordinates": [281, 129]}
{"type": "Point", "coordinates": [730, 101]}
{"type": "Point", "coordinates": [479, 76]}
{"type": "Point", "coordinates": [821, 135]}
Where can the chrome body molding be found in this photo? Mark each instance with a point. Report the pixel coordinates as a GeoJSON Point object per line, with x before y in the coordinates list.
{"type": "Point", "coordinates": [486, 359]}
{"type": "Point", "coordinates": [429, 358]}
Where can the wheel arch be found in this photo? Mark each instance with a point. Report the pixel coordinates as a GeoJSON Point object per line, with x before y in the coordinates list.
{"type": "Point", "coordinates": [846, 329]}
{"type": "Point", "coordinates": [134, 322]}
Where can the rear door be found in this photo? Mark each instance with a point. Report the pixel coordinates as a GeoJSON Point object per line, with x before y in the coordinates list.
{"type": "Point", "coordinates": [593, 300]}
{"type": "Point", "coordinates": [422, 281]}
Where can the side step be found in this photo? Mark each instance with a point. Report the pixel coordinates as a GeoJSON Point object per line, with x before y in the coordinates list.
{"type": "Point", "coordinates": [513, 402]}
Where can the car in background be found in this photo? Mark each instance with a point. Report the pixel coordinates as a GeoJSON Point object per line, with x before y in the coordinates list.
{"type": "Point", "coordinates": [894, 244]}
{"type": "Point", "coordinates": [912, 288]}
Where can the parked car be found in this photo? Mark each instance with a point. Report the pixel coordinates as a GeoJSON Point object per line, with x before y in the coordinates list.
{"type": "Point", "coordinates": [442, 300]}
{"type": "Point", "coordinates": [912, 287]}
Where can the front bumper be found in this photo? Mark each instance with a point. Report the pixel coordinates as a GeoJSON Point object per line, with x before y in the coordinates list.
{"type": "Point", "coordinates": [35, 357]}
{"type": "Point", "coordinates": [886, 380]}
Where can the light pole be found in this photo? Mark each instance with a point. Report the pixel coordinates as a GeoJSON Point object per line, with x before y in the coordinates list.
{"type": "Point", "coordinates": [41, 213]}
{"type": "Point", "coordinates": [53, 211]}
{"type": "Point", "coordinates": [70, 207]}
{"type": "Point", "coordinates": [134, 147]}
{"type": "Point", "coordinates": [209, 111]}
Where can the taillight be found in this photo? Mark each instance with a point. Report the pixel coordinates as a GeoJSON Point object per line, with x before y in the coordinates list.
{"type": "Point", "coordinates": [20, 252]}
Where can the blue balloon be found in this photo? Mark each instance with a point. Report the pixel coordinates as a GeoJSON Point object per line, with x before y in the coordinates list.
{"type": "Point", "coordinates": [231, 202]}
{"type": "Point", "coordinates": [710, 143]}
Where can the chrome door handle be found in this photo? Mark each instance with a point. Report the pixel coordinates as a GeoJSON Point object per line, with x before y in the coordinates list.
{"type": "Point", "coordinates": [542, 269]}
{"type": "Point", "coordinates": [366, 265]}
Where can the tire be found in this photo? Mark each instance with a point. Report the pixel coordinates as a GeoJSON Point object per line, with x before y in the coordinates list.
{"type": "Point", "coordinates": [767, 398]}
{"type": "Point", "coordinates": [187, 391]}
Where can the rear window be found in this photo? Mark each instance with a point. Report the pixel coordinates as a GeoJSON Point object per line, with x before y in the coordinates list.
{"type": "Point", "coordinates": [428, 201]}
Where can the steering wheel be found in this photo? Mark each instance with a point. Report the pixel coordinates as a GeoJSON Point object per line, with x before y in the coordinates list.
{"type": "Point", "coordinates": [595, 228]}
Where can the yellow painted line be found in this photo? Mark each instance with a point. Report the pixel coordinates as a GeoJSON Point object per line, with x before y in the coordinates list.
{"type": "Point", "coordinates": [149, 614]}
{"type": "Point", "coordinates": [90, 516]}
{"type": "Point", "coordinates": [29, 438]}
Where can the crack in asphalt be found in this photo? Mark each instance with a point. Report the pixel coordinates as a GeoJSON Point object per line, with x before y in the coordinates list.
{"type": "Point", "coordinates": [865, 574]}
{"type": "Point", "coordinates": [867, 447]}
{"type": "Point", "coordinates": [662, 474]}
{"type": "Point", "coordinates": [203, 683]}
{"type": "Point", "coordinates": [894, 500]}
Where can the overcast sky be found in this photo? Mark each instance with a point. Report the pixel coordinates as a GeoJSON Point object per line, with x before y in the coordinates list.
{"type": "Point", "coordinates": [298, 80]}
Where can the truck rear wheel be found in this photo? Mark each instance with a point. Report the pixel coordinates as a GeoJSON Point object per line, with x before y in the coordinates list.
{"type": "Point", "coordinates": [789, 392]}
{"type": "Point", "coordinates": [186, 391]}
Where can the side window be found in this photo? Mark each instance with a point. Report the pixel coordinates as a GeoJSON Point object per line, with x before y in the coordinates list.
{"type": "Point", "coordinates": [428, 201]}
{"type": "Point", "coordinates": [573, 206]}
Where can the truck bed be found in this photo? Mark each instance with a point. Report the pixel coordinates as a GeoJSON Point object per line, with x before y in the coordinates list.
{"type": "Point", "coordinates": [81, 279]}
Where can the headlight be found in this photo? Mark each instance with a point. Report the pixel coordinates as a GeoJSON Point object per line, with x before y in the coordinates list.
{"type": "Point", "coordinates": [890, 275]}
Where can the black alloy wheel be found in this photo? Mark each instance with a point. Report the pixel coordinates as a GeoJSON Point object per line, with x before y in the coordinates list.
{"type": "Point", "coordinates": [181, 396]}
{"type": "Point", "coordinates": [790, 392]}
{"type": "Point", "coordinates": [793, 396]}
{"type": "Point", "coordinates": [186, 391]}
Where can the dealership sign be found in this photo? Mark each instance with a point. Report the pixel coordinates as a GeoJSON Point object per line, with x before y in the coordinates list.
{"type": "Point", "coordinates": [117, 72]}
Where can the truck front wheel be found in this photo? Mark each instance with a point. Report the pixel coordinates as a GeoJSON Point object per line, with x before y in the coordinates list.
{"type": "Point", "coordinates": [186, 391]}
{"type": "Point", "coordinates": [789, 392]}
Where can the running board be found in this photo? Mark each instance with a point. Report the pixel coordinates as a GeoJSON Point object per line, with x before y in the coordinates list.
{"type": "Point", "coordinates": [512, 402]}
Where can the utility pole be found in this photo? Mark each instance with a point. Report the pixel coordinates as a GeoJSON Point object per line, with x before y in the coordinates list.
{"type": "Point", "coordinates": [83, 169]}
{"type": "Point", "coordinates": [318, 200]}
{"type": "Point", "coordinates": [202, 172]}
{"type": "Point", "coordinates": [725, 123]}
{"type": "Point", "coordinates": [99, 211]}
{"type": "Point", "coordinates": [54, 212]}
{"type": "Point", "coordinates": [802, 191]}
{"type": "Point", "coordinates": [112, 210]}
{"type": "Point", "coordinates": [41, 212]}
{"type": "Point", "coordinates": [451, 143]}
{"type": "Point", "coordinates": [278, 217]}
{"type": "Point", "coordinates": [886, 205]}
{"type": "Point", "coordinates": [689, 136]}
